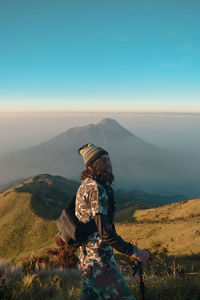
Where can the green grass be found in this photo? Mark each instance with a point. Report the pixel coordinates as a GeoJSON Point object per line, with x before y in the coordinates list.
{"type": "Point", "coordinates": [170, 225]}
{"type": "Point", "coordinates": [171, 212]}
{"type": "Point", "coordinates": [28, 215]}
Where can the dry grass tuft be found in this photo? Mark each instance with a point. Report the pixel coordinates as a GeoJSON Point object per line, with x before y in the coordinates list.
{"type": "Point", "coordinates": [46, 284]}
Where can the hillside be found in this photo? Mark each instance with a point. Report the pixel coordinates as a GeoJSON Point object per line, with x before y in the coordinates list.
{"type": "Point", "coordinates": [137, 164]}
{"type": "Point", "coordinates": [28, 213]}
{"type": "Point", "coordinates": [184, 210]}
{"type": "Point", "coordinates": [128, 202]}
{"type": "Point", "coordinates": [151, 199]}
{"type": "Point", "coordinates": [11, 184]}
{"type": "Point", "coordinates": [174, 227]}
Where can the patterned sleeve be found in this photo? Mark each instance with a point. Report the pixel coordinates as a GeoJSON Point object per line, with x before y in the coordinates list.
{"type": "Point", "coordinates": [98, 200]}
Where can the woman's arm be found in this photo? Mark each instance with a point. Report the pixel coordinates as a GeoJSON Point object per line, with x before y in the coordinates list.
{"type": "Point", "coordinates": [108, 235]}
{"type": "Point", "coordinates": [98, 200]}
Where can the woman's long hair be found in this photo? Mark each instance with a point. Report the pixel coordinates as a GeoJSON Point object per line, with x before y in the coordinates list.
{"type": "Point", "coordinates": [98, 172]}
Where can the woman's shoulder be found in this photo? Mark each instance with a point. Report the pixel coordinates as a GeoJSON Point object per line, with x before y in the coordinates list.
{"type": "Point", "coordinates": [87, 185]}
{"type": "Point", "coordinates": [91, 184]}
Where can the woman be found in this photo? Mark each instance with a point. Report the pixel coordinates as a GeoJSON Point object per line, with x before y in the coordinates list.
{"type": "Point", "coordinates": [95, 200]}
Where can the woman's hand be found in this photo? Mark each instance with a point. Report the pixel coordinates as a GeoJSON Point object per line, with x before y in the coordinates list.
{"type": "Point", "coordinates": [82, 269]}
{"type": "Point", "coordinates": [141, 256]}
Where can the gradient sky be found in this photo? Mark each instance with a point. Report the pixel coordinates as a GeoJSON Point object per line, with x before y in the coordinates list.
{"type": "Point", "coordinates": [106, 55]}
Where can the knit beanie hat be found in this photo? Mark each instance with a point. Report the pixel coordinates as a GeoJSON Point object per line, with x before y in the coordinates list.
{"type": "Point", "coordinates": [90, 153]}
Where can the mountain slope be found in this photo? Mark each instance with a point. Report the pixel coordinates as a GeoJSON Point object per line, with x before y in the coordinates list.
{"type": "Point", "coordinates": [128, 202]}
{"type": "Point", "coordinates": [11, 184]}
{"type": "Point", "coordinates": [171, 212]}
{"type": "Point", "coordinates": [174, 227]}
{"type": "Point", "coordinates": [28, 214]}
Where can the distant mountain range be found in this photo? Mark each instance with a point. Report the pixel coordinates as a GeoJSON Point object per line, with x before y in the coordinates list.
{"type": "Point", "coordinates": [137, 164]}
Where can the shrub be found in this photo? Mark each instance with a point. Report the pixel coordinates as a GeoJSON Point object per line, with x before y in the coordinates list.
{"type": "Point", "coordinates": [63, 256]}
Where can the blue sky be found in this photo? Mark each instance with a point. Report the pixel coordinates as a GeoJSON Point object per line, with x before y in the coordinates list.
{"type": "Point", "coordinates": [106, 55]}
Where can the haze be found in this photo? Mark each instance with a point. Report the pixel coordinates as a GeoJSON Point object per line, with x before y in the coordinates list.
{"type": "Point", "coordinates": [176, 131]}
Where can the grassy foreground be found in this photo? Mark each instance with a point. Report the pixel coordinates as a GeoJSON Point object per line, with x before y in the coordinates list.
{"type": "Point", "coordinates": [46, 283]}
{"type": "Point", "coordinates": [63, 284]}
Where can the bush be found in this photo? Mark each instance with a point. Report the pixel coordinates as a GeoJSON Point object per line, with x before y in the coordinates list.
{"type": "Point", "coordinates": [63, 256]}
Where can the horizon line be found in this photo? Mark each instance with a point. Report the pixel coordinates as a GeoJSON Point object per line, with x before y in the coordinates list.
{"type": "Point", "coordinates": [99, 112]}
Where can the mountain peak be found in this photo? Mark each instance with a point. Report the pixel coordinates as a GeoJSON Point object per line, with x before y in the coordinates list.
{"type": "Point", "coordinates": [108, 121]}
{"type": "Point", "coordinates": [113, 125]}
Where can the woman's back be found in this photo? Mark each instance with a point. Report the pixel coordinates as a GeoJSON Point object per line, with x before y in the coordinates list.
{"type": "Point", "coordinates": [93, 199]}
